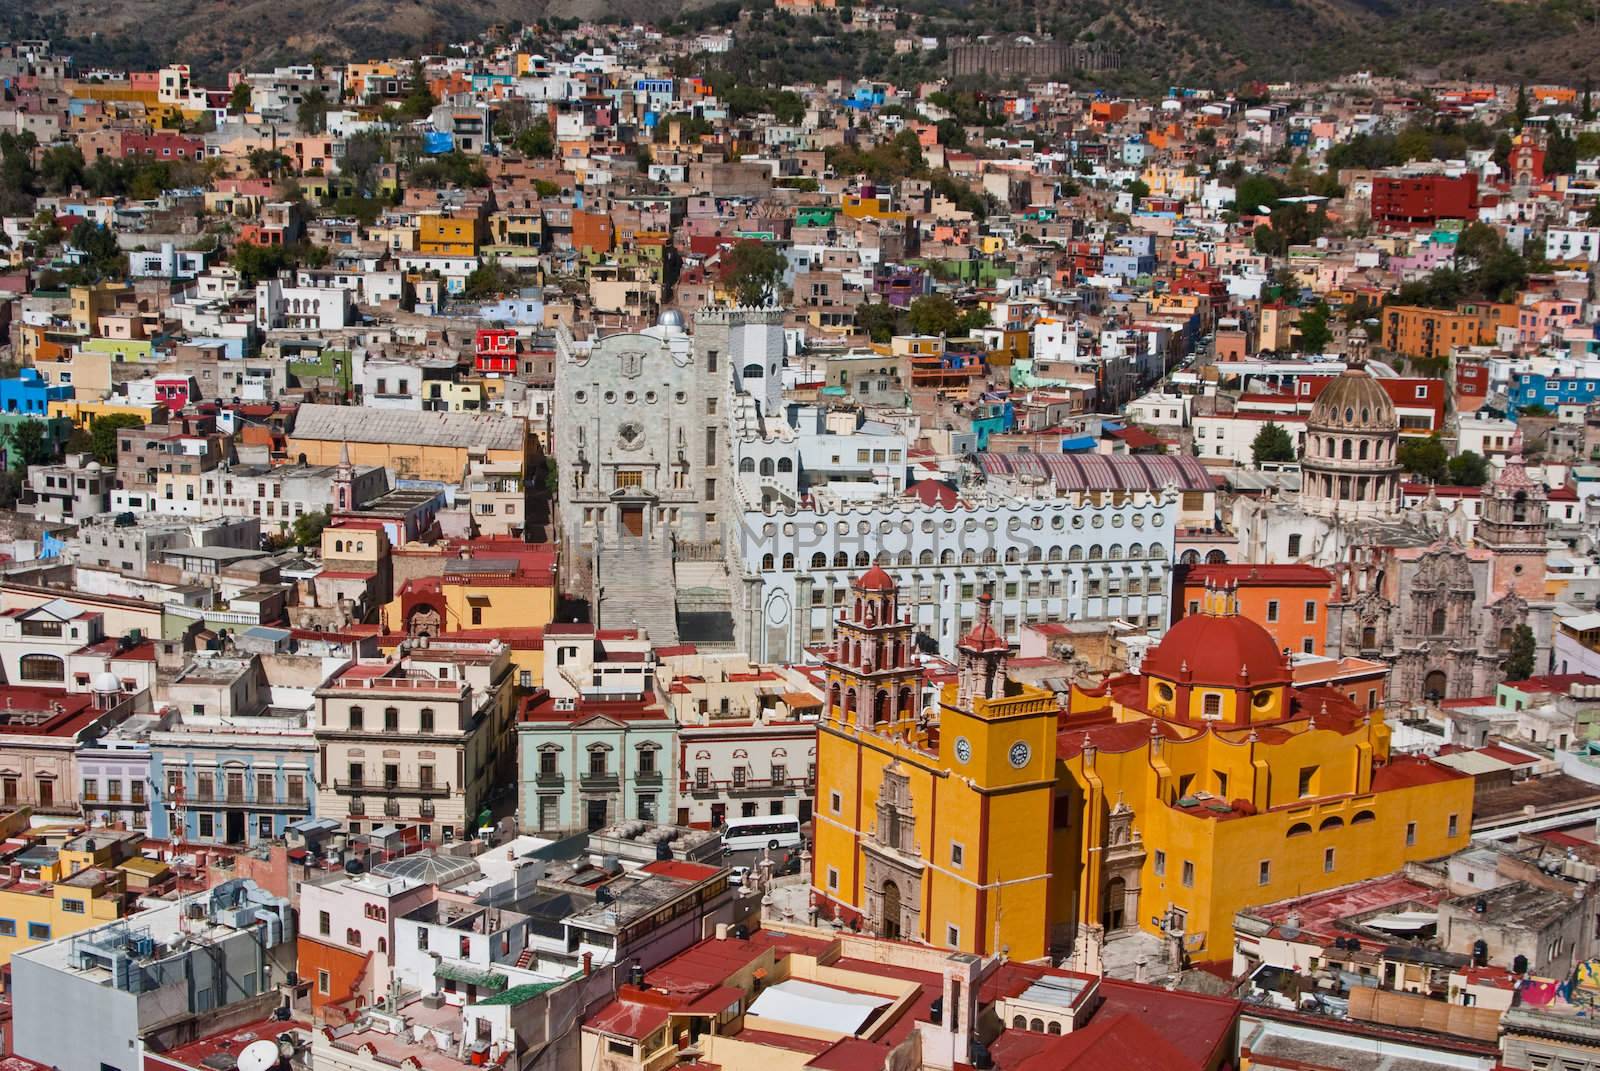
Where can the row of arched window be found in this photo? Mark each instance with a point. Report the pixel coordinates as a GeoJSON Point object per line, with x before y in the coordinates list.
{"type": "Point", "coordinates": [1300, 829]}
{"type": "Point", "coordinates": [1013, 556]}
{"type": "Point", "coordinates": [748, 464]}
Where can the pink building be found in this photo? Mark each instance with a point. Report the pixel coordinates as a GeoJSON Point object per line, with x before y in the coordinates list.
{"type": "Point", "coordinates": [1546, 319]}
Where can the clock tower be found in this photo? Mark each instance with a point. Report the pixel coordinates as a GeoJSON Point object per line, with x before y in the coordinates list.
{"type": "Point", "coordinates": [997, 738]}
{"type": "Point", "coordinates": [998, 733]}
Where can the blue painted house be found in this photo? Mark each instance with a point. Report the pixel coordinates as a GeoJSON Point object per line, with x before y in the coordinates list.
{"type": "Point", "coordinates": [1532, 388]}
{"type": "Point", "coordinates": [229, 768]}
{"type": "Point", "coordinates": [30, 395]}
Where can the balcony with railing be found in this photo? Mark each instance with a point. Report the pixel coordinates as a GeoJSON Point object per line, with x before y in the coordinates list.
{"type": "Point", "coordinates": [599, 781]}
{"type": "Point", "coordinates": [748, 786]}
{"type": "Point", "coordinates": [387, 787]}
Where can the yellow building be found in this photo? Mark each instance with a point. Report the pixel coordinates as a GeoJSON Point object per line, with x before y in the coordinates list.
{"type": "Point", "coordinates": [428, 445]}
{"type": "Point", "coordinates": [85, 413]}
{"type": "Point", "coordinates": [1164, 801]}
{"type": "Point", "coordinates": [916, 821]}
{"type": "Point", "coordinates": [89, 303]}
{"type": "Point", "coordinates": [79, 890]}
{"type": "Point", "coordinates": [449, 235]}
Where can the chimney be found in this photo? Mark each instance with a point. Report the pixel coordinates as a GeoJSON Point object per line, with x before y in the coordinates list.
{"type": "Point", "coordinates": [588, 964]}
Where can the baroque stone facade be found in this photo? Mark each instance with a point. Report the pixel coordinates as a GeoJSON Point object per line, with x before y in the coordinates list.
{"type": "Point", "coordinates": [642, 452]}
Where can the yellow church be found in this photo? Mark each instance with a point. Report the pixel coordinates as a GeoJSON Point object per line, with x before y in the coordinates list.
{"type": "Point", "coordinates": [1165, 800]}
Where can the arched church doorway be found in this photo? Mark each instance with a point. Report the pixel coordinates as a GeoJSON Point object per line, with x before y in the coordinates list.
{"type": "Point", "coordinates": [890, 926]}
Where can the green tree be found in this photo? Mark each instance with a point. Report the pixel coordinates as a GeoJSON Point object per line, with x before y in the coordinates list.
{"type": "Point", "coordinates": [419, 101]}
{"type": "Point", "coordinates": [1469, 469]}
{"type": "Point", "coordinates": [1518, 664]}
{"type": "Point", "coordinates": [61, 168]}
{"type": "Point", "coordinates": [1272, 443]}
{"type": "Point", "coordinates": [1425, 458]}
{"type": "Point", "coordinates": [239, 99]}
{"type": "Point", "coordinates": [256, 262]}
{"type": "Point", "coordinates": [488, 280]}
{"type": "Point", "coordinates": [1522, 103]}
{"type": "Point", "coordinates": [934, 314]}
{"type": "Point", "coordinates": [753, 271]}
{"type": "Point", "coordinates": [102, 256]}
{"type": "Point", "coordinates": [307, 528]}
{"type": "Point", "coordinates": [538, 140]}
{"type": "Point", "coordinates": [103, 436]}
{"type": "Point", "coordinates": [363, 152]}
{"type": "Point", "coordinates": [878, 319]}
{"type": "Point", "coordinates": [28, 443]}
{"type": "Point", "coordinates": [1139, 188]}
{"type": "Point", "coordinates": [1315, 334]}
{"type": "Point", "coordinates": [312, 114]}
{"type": "Point", "coordinates": [265, 163]}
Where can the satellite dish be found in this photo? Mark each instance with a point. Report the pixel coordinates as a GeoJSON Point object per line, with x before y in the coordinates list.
{"type": "Point", "coordinates": [259, 1056]}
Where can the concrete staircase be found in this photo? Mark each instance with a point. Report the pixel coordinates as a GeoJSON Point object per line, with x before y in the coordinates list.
{"type": "Point", "coordinates": [635, 588]}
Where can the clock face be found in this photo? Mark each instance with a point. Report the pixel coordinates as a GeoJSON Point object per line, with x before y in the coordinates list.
{"type": "Point", "coordinates": [1020, 754]}
{"type": "Point", "coordinates": [963, 749]}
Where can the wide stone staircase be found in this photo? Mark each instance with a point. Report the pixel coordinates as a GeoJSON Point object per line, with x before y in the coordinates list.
{"type": "Point", "coordinates": [634, 587]}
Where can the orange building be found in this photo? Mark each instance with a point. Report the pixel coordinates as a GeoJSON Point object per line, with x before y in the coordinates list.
{"type": "Point", "coordinates": [1413, 331]}
{"type": "Point", "coordinates": [592, 232]}
{"type": "Point", "coordinates": [1289, 601]}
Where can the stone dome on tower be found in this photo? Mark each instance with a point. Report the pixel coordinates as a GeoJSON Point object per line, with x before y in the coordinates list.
{"type": "Point", "coordinates": [1350, 468]}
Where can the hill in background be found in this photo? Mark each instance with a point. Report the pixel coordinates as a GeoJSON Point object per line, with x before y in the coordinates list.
{"type": "Point", "coordinates": [1161, 42]}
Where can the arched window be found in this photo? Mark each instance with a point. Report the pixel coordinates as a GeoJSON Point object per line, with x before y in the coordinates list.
{"type": "Point", "coordinates": [767, 466]}
{"type": "Point", "coordinates": [863, 559]}
{"type": "Point", "coordinates": [947, 557]}
{"type": "Point", "coordinates": [1369, 638]}
{"type": "Point", "coordinates": [819, 560]}
{"type": "Point", "coordinates": [1054, 1027]}
{"type": "Point", "coordinates": [754, 371]}
{"type": "Point", "coordinates": [1096, 552]}
{"type": "Point", "coordinates": [747, 464]}
{"type": "Point", "coordinates": [925, 557]}
{"type": "Point", "coordinates": [788, 562]}
{"type": "Point", "coordinates": [1035, 554]}
{"type": "Point", "coordinates": [990, 556]}
{"type": "Point", "coordinates": [1115, 552]}
{"type": "Point", "coordinates": [1136, 550]}
{"type": "Point", "coordinates": [841, 560]}
{"type": "Point", "coordinates": [1347, 451]}
{"type": "Point", "coordinates": [969, 557]}
{"type": "Point", "coordinates": [903, 558]}
{"type": "Point", "coordinates": [1362, 818]}
{"type": "Point", "coordinates": [1055, 554]}
{"type": "Point", "coordinates": [1299, 829]}
{"type": "Point", "coordinates": [1075, 554]}
{"type": "Point", "coordinates": [38, 667]}
{"type": "Point", "coordinates": [1012, 556]}
{"type": "Point", "coordinates": [1332, 822]}
{"type": "Point", "coordinates": [785, 465]}
{"type": "Point", "coordinates": [1364, 445]}
{"type": "Point", "coordinates": [1019, 1023]}
{"type": "Point", "coordinates": [1437, 625]}
{"type": "Point", "coordinates": [767, 563]}
{"type": "Point", "coordinates": [1036, 1025]}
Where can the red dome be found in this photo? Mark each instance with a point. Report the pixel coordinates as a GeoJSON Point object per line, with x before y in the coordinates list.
{"type": "Point", "coordinates": [875, 579]}
{"type": "Point", "coordinates": [1209, 649]}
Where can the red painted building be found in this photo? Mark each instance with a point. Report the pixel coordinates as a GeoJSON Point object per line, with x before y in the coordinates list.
{"type": "Point", "coordinates": [1410, 202]}
{"type": "Point", "coordinates": [1419, 403]}
{"type": "Point", "coordinates": [495, 351]}
{"type": "Point", "coordinates": [163, 145]}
